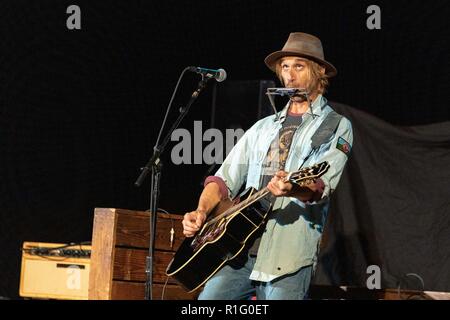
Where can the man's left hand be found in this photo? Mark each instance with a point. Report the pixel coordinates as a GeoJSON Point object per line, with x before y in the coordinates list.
{"type": "Point", "coordinates": [280, 188]}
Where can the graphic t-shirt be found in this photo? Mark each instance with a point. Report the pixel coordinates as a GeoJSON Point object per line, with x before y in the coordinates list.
{"type": "Point", "coordinates": [276, 160]}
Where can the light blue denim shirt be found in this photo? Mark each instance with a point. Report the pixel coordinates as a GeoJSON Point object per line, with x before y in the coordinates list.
{"type": "Point", "coordinates": [294, 228]}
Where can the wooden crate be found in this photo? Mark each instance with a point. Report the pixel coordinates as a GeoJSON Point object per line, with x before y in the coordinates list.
{"type": "Point", "coordinates": [120, 242]}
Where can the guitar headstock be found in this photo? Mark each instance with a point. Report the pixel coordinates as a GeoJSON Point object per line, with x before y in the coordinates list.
{"type": "Point", "coordinates": [307, 175]}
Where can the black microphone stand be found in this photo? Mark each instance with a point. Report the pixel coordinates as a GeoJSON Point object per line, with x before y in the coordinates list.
{"type": "Point", "coordinates": [155, 165]}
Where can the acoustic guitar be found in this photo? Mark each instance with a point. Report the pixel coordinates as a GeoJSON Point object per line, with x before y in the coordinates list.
{"type": "Point", "coordinates": [226, 231]}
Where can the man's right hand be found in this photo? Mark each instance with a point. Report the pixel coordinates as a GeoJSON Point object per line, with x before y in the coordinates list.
{"type": "Point", "coordinates": [192, 222]}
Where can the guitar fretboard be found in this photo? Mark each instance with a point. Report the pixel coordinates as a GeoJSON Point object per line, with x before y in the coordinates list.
{"type": "Point", "coordinates": [299, 177]}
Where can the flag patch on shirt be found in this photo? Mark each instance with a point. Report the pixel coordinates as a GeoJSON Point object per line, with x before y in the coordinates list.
{"type": "Point", "coordinates": [343, 145]}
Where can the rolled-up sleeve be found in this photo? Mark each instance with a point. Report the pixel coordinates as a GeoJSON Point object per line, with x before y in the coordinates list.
{"type": "Point", "coordinates": [222, 186]}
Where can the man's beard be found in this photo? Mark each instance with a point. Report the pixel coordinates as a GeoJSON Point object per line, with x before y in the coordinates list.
{"type": "Point", "coordinates": [299, 98]}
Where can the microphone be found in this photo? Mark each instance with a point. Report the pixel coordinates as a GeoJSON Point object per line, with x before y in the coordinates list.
{"type": "Point", "coordinates": [285, 91]}
{"type": "Point", "coordinates": [219, 74]}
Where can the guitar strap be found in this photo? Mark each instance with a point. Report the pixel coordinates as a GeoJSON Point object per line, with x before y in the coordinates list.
{"type": "Point", "coordinates": [323, 133]}
{"type": "Point", "coordinates": [325, 130]}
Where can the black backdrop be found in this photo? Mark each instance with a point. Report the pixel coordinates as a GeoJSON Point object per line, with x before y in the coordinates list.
{"type": "Point", "coordinates": [80, 109]}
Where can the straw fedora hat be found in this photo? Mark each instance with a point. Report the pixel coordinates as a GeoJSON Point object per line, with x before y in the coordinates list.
{"type": "Point", "coordinates": [302, 45]}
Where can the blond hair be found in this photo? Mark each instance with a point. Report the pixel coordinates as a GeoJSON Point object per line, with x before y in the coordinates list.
{"type": "Point", "coordinates": [318, 80]}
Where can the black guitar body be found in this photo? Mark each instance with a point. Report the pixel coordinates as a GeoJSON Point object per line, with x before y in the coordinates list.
{"type": "Point", "coordinates": [194, 264]}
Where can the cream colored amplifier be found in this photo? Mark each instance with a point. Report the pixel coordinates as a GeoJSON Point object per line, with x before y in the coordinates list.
{"type": "Point", "coordinates": [55, 271]}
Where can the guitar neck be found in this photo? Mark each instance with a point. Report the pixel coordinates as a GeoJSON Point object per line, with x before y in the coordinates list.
{"type": "Point", "coordinates": [300, 177]}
